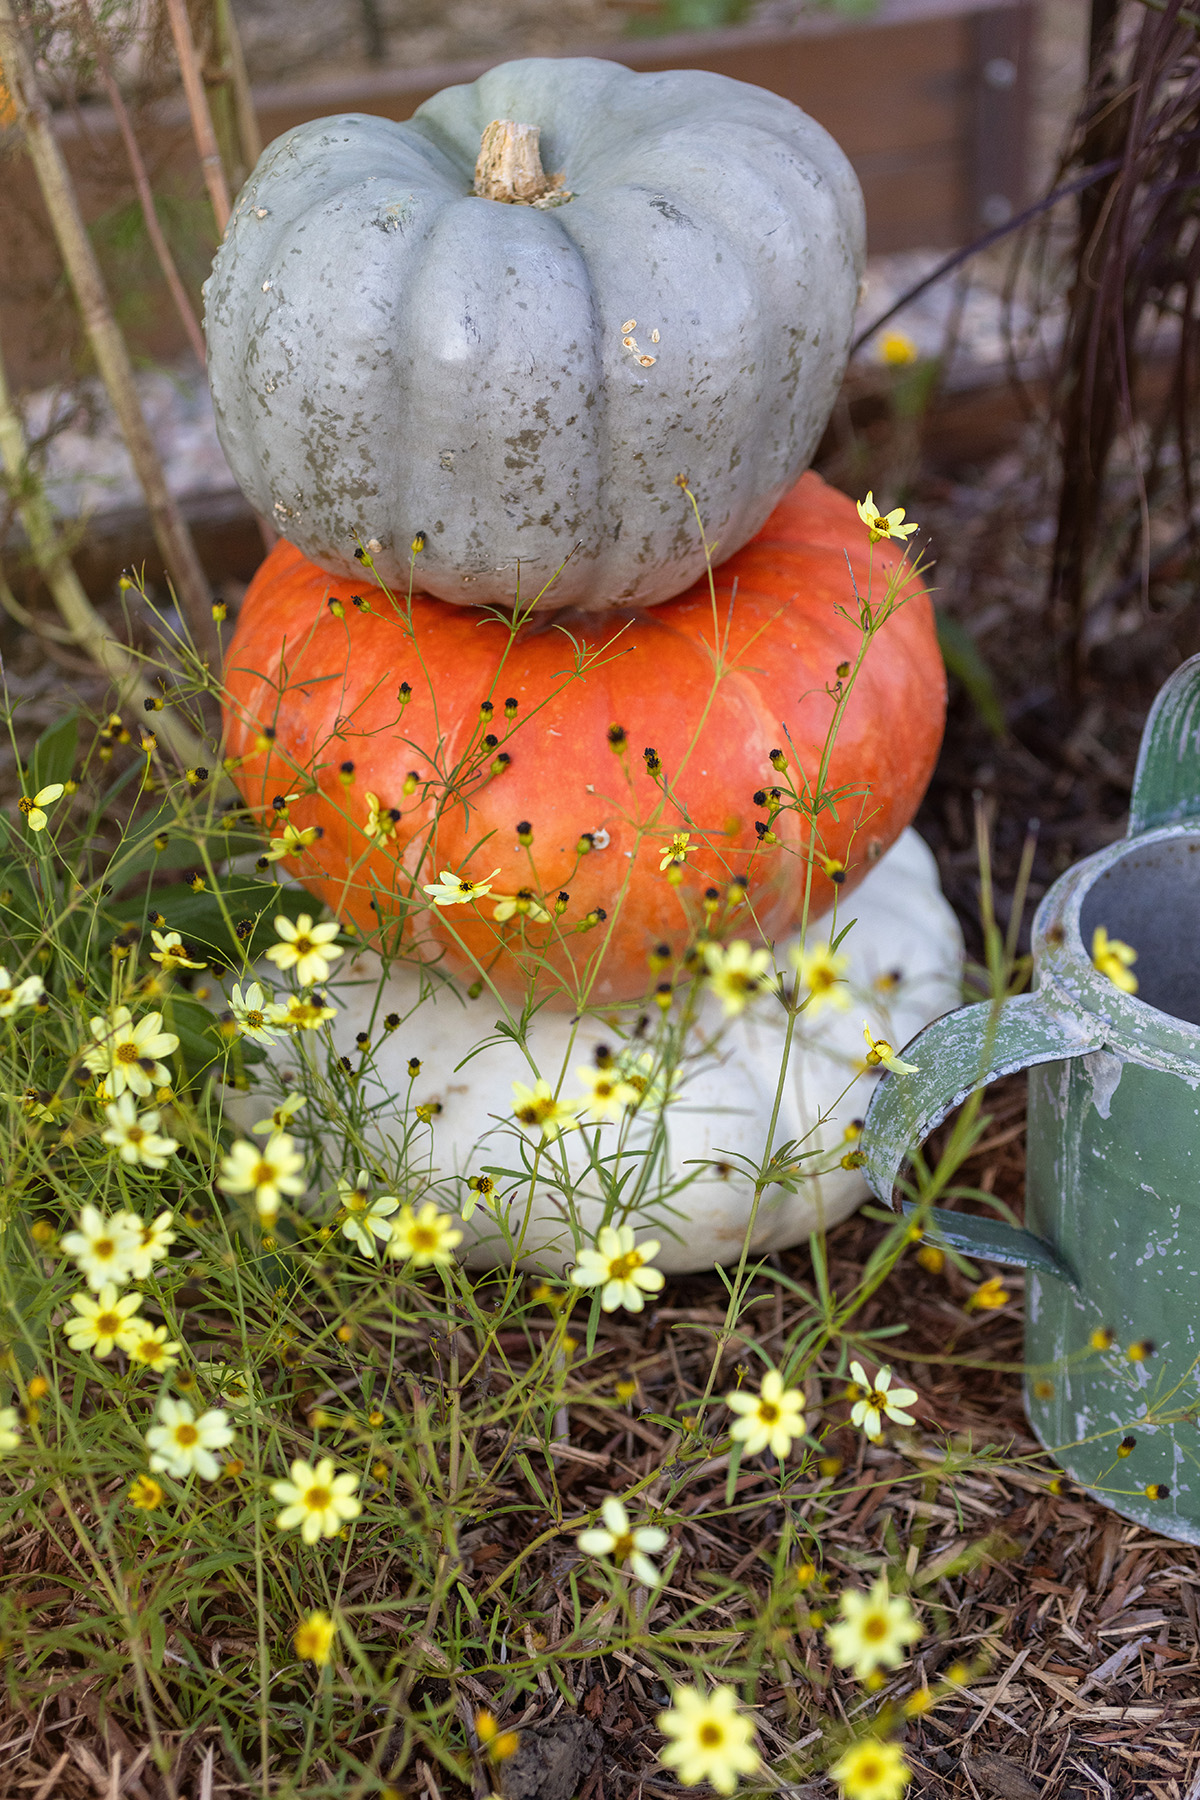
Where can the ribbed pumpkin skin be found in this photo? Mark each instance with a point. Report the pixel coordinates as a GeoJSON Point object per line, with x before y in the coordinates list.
{"type": "Point", "coordinates": [334, 701]}
{"type": "Point", "coordinates": [390, 354]}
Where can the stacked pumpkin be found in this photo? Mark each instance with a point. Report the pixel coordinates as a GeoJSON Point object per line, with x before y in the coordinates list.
{"type": "Point", "coordinates": [487, 372]}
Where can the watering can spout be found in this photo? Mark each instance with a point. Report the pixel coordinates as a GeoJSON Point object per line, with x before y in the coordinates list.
{"type": "Point", "coordinates": [1166, 785]}
{"type": "Point", "coordinates": [955, 1055]}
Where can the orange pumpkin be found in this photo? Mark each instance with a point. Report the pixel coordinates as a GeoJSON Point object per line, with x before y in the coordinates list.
{"type": "Point", "coordinates": [375, 714]}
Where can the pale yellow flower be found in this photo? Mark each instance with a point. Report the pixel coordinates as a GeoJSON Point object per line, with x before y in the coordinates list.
{"type": "Point", "coordinates": [424, 1237]}
{"type": "Point", "coordinates": [883, 525]}
{"type": "Point", "coordinates": [1114, 959]}
{"type": "Point", "coordinates": [874, 1630]}
{"type": "Point", "coordinates": [619, 1268]}
{"type": "Point", "coordinates": [102, 1247]}
{"type": "Point", "coordinates": [609, 1093]}
{"type": "Point", "coordinates": [769, 1419]}
{"type": "Point", "coordinates": [307, 948]}
{"type": "Point", "coordinates": [316, 1500]}
{"type": "Point", "coordinates": [282, 1115]}
{"type": "Point", "coordinates": [823, 972]}
{"type": "Point", "coordinates": [150, 1244]}
{"type": "Point", "coordinates": [737, 974]}
{"type": "Point", "coordinates": [453, 890]}
{"type": "Point", "coordinates": [10, 1436]}
{"type": "Point", "coordinates": [314, 1639]}
{"type": "Point", "coordinates": [880, 1053]}
{"type": "Point", "coordinates": [268, 1174]}
{"type": "Point", "coordinates": [135, 1136]}
{"type": "Point", "coordinates": [292, 842]}
{"type": "Point", "coordinates": [880, 1400]}
{"type": "Point", "coordinates": [252, 1007]}
{"type": "Point", "coordinates": [171, 953]}
{"type": "Point", "coordinates": [300, 1014]}
{"type": "Point", "coordinates": [711, 1740]}
{"type": "Point", "coordinates": [33, 809]}
{"type": "Point", "coordinates": [13, 996]}
{"type": "Point", "coordinates": [365, 1219]}
{"type": "Point", "coordinates": [537, 1106]}
{"type": "Point", "coordinates": [523, 903]}
{"type": "Point", "coordinates": [152, 1347]}
{"type": "Point", "coordinates": [381, 821]}
{"type": "Point", "coordinates": [871, 1770]}
{"type": "Point", "coordinates": [181, 1443]}
{"type": "Point", "coordinates": [127, 1055]}
{"type": "Point", "coordinates": [676, 851]}
{"type": "Point", "coordinates": [624, 1543]}
{"type": "Point", "coordinates": [104, 1324]}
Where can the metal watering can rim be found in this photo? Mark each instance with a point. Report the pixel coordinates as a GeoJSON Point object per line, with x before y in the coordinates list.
{"type": "Point", "coordinates": [1068, 980]}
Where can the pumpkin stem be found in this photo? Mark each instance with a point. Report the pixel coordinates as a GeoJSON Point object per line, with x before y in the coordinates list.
{"type": "Point", "coordinates": [509, 167]}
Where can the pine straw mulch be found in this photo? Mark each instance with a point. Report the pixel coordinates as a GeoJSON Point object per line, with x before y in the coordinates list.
{"type": "Point", "coordinates": [1088, 1624]}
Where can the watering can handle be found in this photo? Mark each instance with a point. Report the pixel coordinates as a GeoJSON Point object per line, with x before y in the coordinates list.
{"type": "Point", "coordinates": [955, 1055]}
{"type": "Point", "coordinates": [1166, 785]}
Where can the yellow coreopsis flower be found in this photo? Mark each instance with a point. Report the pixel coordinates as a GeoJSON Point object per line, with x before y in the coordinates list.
{"type": "Point", "coordinates": [171, 952]}
{"type": "Point", "coordinates": [881, 1054]}
{"type": "Point", "coordinates": [823, 972]}
{"type": "Point", "coordinates": [769, 1419]}
{"type": "Point", "coordinates": [874, 1630]}
{"type": "Point", "coordinates": [293, 841]}
{"type": "Point", "coordinates": [314, 1639]}
{"type": "Point", "coordinates": [10, 1435]}
{"type": "Point", "coordinates": [537, 1105]}
{"type": "Point", "coordinates": [870, 1770]}
{"type": "Point", "coordinates": [619, 1268]}
{"type": "Point", "coordinates": [737, 974]}
{"type": "Point", "coordinates": [677, 850]}
{"type": "Point", "coordinates": [103, 1324]}
{"type": "Point", "coordinates": [316, 1500]}
{"type": "Point", "coordinates": [34, 808]}
{"type": "Point", "coordinates": [307, 948]}
{"type": "Point", "coordinates": [127, 1055]}
{"type": "Point", "coordinates": [1114, 959]}
{"type": "Point", "coordinates": [455, 890]}
{"type": "Point", "coordinates": [267, 1173]}
{"type": "Point", "coordinates": [425, 1237]}
{"type": "Point", "coordinates": [879, 1400]}
{"type": "Point", "coordinates": [609, 1093]}
{"type": "Point", "coordinates": [883, 525]}
{"type": "Point", "coordinates": [711, 1739]}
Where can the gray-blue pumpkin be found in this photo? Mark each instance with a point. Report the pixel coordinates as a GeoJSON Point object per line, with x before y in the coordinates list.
{"type": "Point", "coordinates": [522, 379]}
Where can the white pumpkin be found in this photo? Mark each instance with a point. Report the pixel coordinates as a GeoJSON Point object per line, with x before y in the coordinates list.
{"type": "Point", "coordinates": [713, 1127]}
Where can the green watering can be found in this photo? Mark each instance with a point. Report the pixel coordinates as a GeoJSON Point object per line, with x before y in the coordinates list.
{"type": "Point", "coordinates": [1112, 1207]}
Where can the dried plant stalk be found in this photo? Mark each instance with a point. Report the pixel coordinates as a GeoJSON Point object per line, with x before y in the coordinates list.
{"type": "Point", "coordinates": [229, 45]}
{"type": "Point", "coordinates": [141, 181]}
{"type": "Point", "coordinates": [104, 335]}
{"type": "Point", "coordinates": [1137, 249]}
{"type": "Point", "coordinates": [201, 117]}
{"type": "Point", "coordinates": [85, 627]}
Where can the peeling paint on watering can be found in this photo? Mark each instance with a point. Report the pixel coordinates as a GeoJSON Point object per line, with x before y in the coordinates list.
{"type": "Point", "coordinates": [1112, 1238]}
